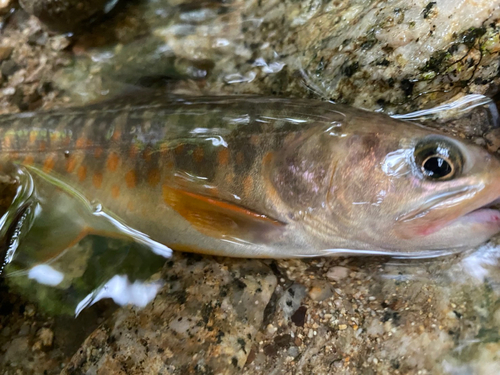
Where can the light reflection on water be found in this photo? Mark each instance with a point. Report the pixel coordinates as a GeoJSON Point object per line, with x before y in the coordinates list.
{"type": "Point", "coordinates": [122, 292]}
{"type": "Point", "coordinates": [465, 292]}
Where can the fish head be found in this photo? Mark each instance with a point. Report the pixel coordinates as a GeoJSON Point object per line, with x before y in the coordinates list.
{"type": "Point", "coordinates": [444, 192]}
{"type": "Point", "coordinates": [382, 185]}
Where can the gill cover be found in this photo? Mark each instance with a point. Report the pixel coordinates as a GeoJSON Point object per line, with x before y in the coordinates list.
{"type": "Point", "coordinates": [301, 173]}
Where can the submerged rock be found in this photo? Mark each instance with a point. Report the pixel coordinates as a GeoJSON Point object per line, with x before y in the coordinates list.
{"type": "Point", "coordinates": [217, 316]}
{"type": "Point", "coordinates": [395, 56]}
{"type": "Point", "coordinates": [67, 15]}
{"type": "Point", "coordinates": [205, 319]}
{"type": "Point", "coordinates": [439, 317]}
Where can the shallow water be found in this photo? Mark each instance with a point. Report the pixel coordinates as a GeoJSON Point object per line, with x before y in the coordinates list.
{"type": "Point", "coordinates": [363, 315]}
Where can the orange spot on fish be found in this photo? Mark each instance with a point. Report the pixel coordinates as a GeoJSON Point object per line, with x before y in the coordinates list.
{"type": "Point", "coordinates": [248, 186]}
{"type": "Point", "coordinates": [133, 151]}
{"type": "Point", "coordinates": [198, 154]}
{"type": "Point", "coordinates": [82, 173]}
{"type": "Point", "coordinates": [81, 142]}
{"type": "Point", "coordinates": [223, 156]}
{"type": "Point", "coordinates": [178, 149]}
{"type": "Point", "coordinates": [239, 158]}
{"type": "Point", "coordinates": [98, 152]}
{"type": "Point", "coordinates": [229, 178]}
{"type": "Point", "coordinates": [32, 137]}
{"type": "Point", "coordinates": [112, 163]}
{"type": "Point", "coordinates": [42, 146]}
{"type": "Point", "coordinates": [70, 164]}
{"type": "Point", "coordinates": [116, 135]}
{"type": "Point", "coordinates": [268, 157]}
{"type": "Point", "coordinates": [97, 180]}
{"type": "Point", "coordinates": [115, 191]}
{"type": "Point", "coordinates": [28, 160]}
{"type": "Point", "coordinates": [49, 163]}
{"type": "Point", "coordinates": [131, 179]}
{"type": "Point", "coordinates": [153, 177]}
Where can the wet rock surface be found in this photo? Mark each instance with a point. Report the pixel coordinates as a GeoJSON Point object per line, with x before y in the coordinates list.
{"type": "Point", "coordinates": [204, 320]}
{"type": "Point", "coordinates": [259, 317]}
{"type": "Point", "coordinates": [67, 16]}
{"type": "Point", "coordinates": [395, 56]}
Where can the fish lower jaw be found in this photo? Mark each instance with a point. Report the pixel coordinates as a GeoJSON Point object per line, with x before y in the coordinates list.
{"type": "Point", "coordinates": [484, 215]}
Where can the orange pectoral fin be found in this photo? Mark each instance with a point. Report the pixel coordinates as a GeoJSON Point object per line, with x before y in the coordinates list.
{"type": "Point", "coordinates": [219, 219]}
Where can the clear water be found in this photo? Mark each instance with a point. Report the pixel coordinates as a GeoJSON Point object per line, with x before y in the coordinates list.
{"type": "Point", "coordinates": [464, 290]}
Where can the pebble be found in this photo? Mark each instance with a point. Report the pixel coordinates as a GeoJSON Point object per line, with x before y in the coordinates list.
{"type": "Point", "coordinates": [4, 4]}
{"type": "Point", "coordinates": [271, 329]}
{"type": "Point", "coordinates": [337, 273]}
{"type": "Point", "coordinates": [5, 52]}
{"type": "Point", "coordinates": [46, 336]}
{"type": "Point", "coordinates": [342, 327]}
{"type": "Point", "coordinates": [67, 16]}
{"type": "Point", "coordinates": [29, 310]}
{"type": "Point", "coordinates": [9, 67]}
{"type": "Point", "coordinates": [299, 317]}
{"type": "Point", "coordinates": [58, 43]}
{"type": "Point", "coordinates": [293, 351]}
{"type": "Point", "coordinates": [320, 291]}
{"type": "Point", "coordinates": [39, 37]}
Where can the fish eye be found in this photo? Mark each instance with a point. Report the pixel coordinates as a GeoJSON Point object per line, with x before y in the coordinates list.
{"type": "Point", "coordinates": [438, 159]}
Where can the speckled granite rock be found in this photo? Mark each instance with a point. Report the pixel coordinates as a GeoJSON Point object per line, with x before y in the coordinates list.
{"type": "Point", "coordinates": [376, 316]}
{"type": "Point", "coordinates": [204, 320]}
{"type": "Point", "coordinates": [389, 55]}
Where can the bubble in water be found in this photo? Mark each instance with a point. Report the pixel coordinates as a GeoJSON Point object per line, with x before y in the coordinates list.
{"type": "Point", "coordinates": [96, 206]}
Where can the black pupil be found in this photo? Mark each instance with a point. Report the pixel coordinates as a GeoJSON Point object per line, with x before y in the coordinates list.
{"type": "Point", "coordinates": [437, 167]}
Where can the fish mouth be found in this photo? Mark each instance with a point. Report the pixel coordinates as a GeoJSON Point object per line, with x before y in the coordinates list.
{"type": "Point", "coordinates": [443, 199]}
{"type": "Point", "coordinates": [489, 212]}
{"type": "Point", "coordinates": [466, 205]}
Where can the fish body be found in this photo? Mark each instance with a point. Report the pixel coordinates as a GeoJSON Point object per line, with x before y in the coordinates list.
{"type": "Point", "coordinates": [243, 177]}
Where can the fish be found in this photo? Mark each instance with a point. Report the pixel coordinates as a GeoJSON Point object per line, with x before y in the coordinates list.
{"type": "Point", "coordinates": [240, 176]}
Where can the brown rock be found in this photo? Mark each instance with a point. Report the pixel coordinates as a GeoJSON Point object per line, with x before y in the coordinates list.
{"type": "Point", "coordinates": [46, 337]}
{"type": "Point", "coordinates": [5, 52]}
{"type": "Point", "coordinates": [66, 15]}
{"type": "Point", "coordinates": [320, 291]}
{"type": "Point", "coordinates": [299, 317]}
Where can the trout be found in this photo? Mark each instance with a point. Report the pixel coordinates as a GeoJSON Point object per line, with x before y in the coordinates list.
{"type": "Point", "coordinates": [241, 177]}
